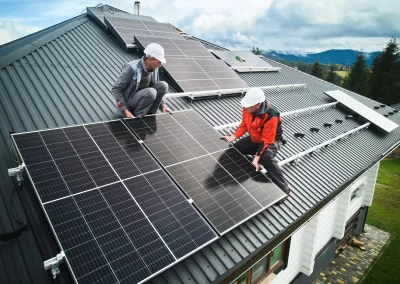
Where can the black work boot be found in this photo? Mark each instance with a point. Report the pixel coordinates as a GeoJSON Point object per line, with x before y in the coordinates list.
{"type": "Point", "coordinates": [288, 191]}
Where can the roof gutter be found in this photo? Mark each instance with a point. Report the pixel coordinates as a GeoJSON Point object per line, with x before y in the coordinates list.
{"type": "Point", "coordinates": [238, 269]}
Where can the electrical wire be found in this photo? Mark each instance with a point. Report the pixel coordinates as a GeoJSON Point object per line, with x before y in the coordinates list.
{"type": "Point", "coordinates": [11, 207]}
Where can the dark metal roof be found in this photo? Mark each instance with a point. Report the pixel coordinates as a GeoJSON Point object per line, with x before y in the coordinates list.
{"type": "Point", "coordinates": [63, 75]}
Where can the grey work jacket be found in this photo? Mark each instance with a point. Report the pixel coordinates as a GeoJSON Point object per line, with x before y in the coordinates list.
{"type": "Point", "coordinates": [128, 82]}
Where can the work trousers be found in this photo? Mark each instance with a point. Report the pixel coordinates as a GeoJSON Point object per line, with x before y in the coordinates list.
{"type": "Point", "coordinates": [147, 101]}
{"type": "Point", "coordinates": [248, 147]}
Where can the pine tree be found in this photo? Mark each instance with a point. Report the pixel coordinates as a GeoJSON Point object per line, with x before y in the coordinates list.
{"type": "Point", "coordinates": [317, 70]}
{"type": "Point", "coordinates": [385, 77]}
{"type": "Point", "coordinates": [256, 50]}
{"type": "Point", "coordinates": [358, 78]}
{"type": "Point", "coordinates": [331, 74]}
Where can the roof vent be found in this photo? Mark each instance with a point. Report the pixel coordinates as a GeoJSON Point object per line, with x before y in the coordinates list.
{"type": "Point", "coordinates": [395, 111]}
{"type": "Point", "coordinates": [298, 134]}
{"type": "Point", "coordinates": [383, 105]}
{"type": "Point", "coordinates": [136, 7]}
{"type": "Point", "coordinates": [327, 124]}
{"type": "Point", "coordinates": [349, 116]}
{"type": "Point", "coordinates": [338, 120]}
{"type": "Point", "coordinates": [376, 107]}
{"type": "Point", "coordinates": [386, 115]}
{"type": "Point", "coordinates": [390, 113]}
{"type": "Point", "coordinates": [314, 129]}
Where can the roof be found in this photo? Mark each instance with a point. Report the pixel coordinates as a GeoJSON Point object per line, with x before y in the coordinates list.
{"type": "Point", "coordinates": [63, 75]}
{"type": "Point", "coordinates": [396, 106]}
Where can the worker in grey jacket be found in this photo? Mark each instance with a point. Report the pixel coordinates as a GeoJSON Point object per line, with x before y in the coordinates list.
{"type": "Point", "coordinates": [138, 90]}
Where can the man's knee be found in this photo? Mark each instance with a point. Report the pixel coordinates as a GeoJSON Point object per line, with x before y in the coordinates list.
{"type": "Point", "coordinates": [151, 95]}
{"type": "Point", "coordinates": [161, 86]}
{"type": "Point", "coordinates": [267, 158]}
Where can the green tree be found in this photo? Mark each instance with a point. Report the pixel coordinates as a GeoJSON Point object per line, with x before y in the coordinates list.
{"type": "Point", "coordinates": [385, 77]}
{"type": "Point", "coordinates": [317, 70]}
{"type": "Point", "coordinates": [358, 78]}
{"type": "Point", "coordinates": [331, 74]}
{"type": "Point", "coordinates": [256, 50]}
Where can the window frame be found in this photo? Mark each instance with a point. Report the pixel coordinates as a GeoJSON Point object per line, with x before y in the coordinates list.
{"type": "Point", "coordinates": [267, 260]}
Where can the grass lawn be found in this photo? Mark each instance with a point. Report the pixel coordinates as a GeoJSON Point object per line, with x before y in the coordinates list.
{"type": "Point", "coordinates": [341, 73]}
{"type": "Point", "coordinates": [385, 215]}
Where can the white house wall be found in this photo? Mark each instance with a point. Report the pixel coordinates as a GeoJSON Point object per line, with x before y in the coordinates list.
{"type": "Point", "coordinates": [329, 222]}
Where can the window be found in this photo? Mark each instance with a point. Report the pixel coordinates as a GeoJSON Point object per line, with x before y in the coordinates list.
{"type": "Point", "coordinates": [354, 194]}
{"type": "Point", "coordinates": [271, 263]}
{"type": "Point", "coordinates": [258, 270]}
{"type": "Point", "coordinates": [276, 257]}
{"type": "Point", "coordinates": [241, 280]}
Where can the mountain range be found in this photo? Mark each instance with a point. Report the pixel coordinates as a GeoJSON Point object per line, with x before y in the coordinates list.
{"type": "Point", "coordinates": [345, 57]}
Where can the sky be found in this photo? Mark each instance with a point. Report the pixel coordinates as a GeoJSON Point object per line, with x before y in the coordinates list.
{"type": "Point", "coordinates": [294, 26]}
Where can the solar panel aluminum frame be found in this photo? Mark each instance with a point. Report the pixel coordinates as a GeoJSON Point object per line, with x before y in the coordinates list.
{"type": "Point", "coordinates": [262, 208]}
{"type": "Point", "coordinates": [365, 112]}
{"type": "Point", "coordinates": [68, 264]}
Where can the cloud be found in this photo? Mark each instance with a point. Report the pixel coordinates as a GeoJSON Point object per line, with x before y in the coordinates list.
{"type": "Point", "coordinates": [10, 31]}
{"type": "Point", "coordinates": [283, 25]}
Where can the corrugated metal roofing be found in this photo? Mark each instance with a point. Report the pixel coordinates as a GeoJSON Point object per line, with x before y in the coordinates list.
{"type": "Point", "coordinates": [66, 80]}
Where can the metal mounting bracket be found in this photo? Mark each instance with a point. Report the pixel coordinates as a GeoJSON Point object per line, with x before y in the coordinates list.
{"type": "Point", "coordinates": [53, 264]}
{"type": "Point", "coordinates": [18, 173]}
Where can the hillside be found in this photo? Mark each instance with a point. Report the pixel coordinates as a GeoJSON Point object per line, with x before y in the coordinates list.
{"type": "Point", "coordinates": [344, 57]}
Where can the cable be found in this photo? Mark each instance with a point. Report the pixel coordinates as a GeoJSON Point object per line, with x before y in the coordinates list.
{"type": "Point", "coordinates": [11, 206]}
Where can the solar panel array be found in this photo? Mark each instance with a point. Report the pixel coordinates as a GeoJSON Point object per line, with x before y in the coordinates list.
{"type": "Point", "coordinates": [364, 111]}
{"type": "Point", "coordinates": [180, 48]}
{"type": "Point", "coordinates": [126, 29]}
{"type": "Point", "coordinates": [193, 67]}
{"type": "Point", "coordinates": [221, 182]}
{"type": "Point", "coordinates": [116, 214]}
{"type": "Point", "coordinates": [251, 61]}
{"type": "Point", "coordinates": [98, 15]}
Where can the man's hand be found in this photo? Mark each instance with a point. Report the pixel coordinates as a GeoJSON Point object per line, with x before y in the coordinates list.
{"type": "Point", "coordinates": [165, 109]}
{"type": "Point", "coordinates": [128, 114]}
{"type": "Point", "coordinates": [256, 162]}
{"type": "Point", "coordinates": [229, 138]}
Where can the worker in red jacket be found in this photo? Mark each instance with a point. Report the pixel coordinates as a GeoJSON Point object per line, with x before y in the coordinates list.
{"type": "Point", "coordinates": [262, 121]}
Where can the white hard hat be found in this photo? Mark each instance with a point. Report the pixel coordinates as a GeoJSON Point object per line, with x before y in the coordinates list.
{"type": "Point", "coordinates": [155, 50]}
{"type": "Point", "coordinates": [253, 96]}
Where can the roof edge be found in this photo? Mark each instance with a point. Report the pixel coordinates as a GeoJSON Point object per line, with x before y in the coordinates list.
{"type": "Point", "coordinates": [239, 268]}
{"type": "Point", "coordinates": [12, 51]}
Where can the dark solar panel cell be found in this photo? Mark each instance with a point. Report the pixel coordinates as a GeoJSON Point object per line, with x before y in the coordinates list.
{"type": "Point", "coordinates": [110, 204]}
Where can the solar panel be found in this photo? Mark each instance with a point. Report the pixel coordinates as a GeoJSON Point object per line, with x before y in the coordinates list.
{"type": "Point", "coordinates": [221, 74]}
{"type": "Point", "coordinates": [125, 29]}
{"type": "Point", "coordinates": [97, 14]}
{"type": "Point", "coordinates": [172, 142]}
{"type": "Point", "coordinates": [221, 182]}
{"type": "Point", "coordinates": [189, 75]}
{"type": "Point", "coordinates": [364, 111]}
{"type": "Point", "coordinates": [116, 214]}
{"type": "Point", "coordinates": [193, 67]}
{"type": "Point", "coordinates": [252, 62]}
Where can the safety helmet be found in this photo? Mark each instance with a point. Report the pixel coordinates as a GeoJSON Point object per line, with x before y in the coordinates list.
{"type": "Point", "coordinates": [253, 96]}
{"type": "Point", "coordinates": [155, 50]}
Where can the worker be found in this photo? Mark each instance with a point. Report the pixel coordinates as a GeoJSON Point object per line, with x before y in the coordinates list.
{"type": "Point", "coordinates": [138, 90]}
{"type": "Point", "coordinates": [262, 121]}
